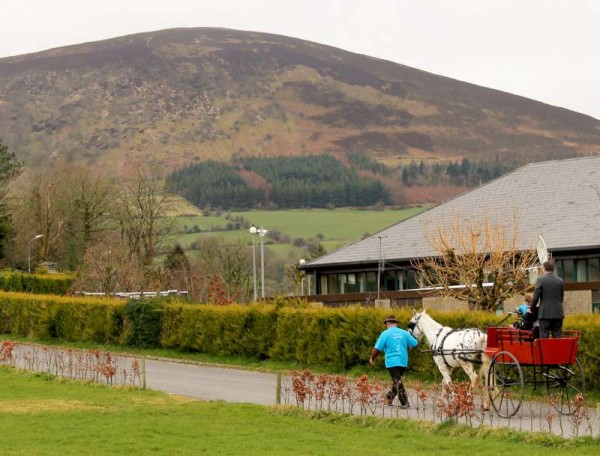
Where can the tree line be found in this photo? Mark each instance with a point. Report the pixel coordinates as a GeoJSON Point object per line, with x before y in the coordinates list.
{"type": "Point", "coordinates": [290, 182]}
{"type": "Point", "coordinates": [466, 172]}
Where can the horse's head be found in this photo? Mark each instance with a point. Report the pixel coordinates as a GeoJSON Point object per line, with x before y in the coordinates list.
{"type": "Point", "coordinates": [413, 324]}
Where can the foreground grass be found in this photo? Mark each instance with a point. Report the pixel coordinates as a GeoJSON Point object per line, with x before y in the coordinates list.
{"type": "Point", "coordinates": [43, 415]}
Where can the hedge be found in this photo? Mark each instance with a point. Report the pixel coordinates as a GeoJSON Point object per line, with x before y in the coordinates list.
{"type": "Point", "coordinates": [55, 284]}
{"type": "Point", "coordinates": [342, 337]}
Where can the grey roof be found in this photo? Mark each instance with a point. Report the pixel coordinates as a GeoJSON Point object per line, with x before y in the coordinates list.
{"type": "Point", "coordinates": [558, 199]}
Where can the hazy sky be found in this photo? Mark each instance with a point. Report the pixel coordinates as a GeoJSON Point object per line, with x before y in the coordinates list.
{"type": "Point", "coordinates": [548, 50]}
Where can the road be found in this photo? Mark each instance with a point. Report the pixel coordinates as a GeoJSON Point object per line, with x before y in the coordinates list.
{"type": "Point", "coordinates": [211, 383]}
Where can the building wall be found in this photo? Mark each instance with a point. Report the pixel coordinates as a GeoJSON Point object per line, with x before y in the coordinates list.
{"type": "Point", "coordinates": [451, 304]}
{"type": "Point", "coordinates": [444, 304]}
{"type": "Point", "coordinates": [578, 302]}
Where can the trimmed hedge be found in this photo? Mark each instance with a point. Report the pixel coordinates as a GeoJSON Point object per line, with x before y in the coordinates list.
{"type": "Point", "coordinates": [54, 284]}
{"type": "Point", "coordinates": [72, 319]}
{"type": "Point", "coordinates": [342, 337]}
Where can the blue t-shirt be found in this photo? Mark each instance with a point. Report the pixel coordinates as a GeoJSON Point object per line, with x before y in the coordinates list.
{"type": "Point", "coordinates": [395, 342]}
{"type": "Point", "coordinates": [522, 309]}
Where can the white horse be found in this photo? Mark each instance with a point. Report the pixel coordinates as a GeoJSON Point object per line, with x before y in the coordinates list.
{"type": "Point", "coordinates": [453, 348]}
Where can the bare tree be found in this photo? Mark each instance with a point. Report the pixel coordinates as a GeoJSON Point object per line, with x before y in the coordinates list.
{"type": "Point", "coordinates": [140, 211]}
{"type": "Point", "coordinates": [231, 262]}
{"type": "Point", "coordinates": [476, 261]}
{"type": "Point", "coordinates": [65, 203]}
{"type": "Point", "coordinates": [107, 268]}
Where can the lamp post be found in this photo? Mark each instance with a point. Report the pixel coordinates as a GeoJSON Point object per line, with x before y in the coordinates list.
{"type": "Point", "coordinates": [302, 262]}
{"type": "Point", "coordinates": [29, 251]}
{"type": "Point", "coordinates": [262, 233]}
{"type": "Point", "coordinates": [379, 267]}
{"type": "Point", "coordinates": [253, 231]}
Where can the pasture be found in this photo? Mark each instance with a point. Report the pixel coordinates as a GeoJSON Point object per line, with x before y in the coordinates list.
{"type": "Point", "coordinates": [44, 415]}
{"type": "Point", "coordinates": [333, 228]}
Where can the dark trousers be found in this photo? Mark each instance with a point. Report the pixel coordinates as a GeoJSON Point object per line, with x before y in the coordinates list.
{"type": "Point", "coordinates": [396, 373]}
{"type": "Point", "coordinates": [550, 326]}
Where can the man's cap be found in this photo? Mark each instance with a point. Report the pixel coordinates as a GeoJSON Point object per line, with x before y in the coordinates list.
{"type": "Point", "coordinates": [390, 319]}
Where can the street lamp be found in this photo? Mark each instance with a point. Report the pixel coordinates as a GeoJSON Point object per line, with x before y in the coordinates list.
{"type": "Point", "coordinates": [262, 233]}
{"type": "Point", "coordinates": [29, 251]}
{"type": "Point", "coordinates": [253, 231]}
{"type": "Point", "coordinates": [302, 262]}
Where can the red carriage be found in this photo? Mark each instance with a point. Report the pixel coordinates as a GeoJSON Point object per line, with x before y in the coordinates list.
{"type": "Point", "coordinates": [518, 359]}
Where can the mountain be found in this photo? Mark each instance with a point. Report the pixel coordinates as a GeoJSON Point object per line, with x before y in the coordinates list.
{"type": "Point", "coordinates": [180, 96]}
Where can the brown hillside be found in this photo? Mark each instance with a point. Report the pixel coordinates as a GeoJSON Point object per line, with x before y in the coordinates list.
{"type": "Point", "coordinates": [183, 95]}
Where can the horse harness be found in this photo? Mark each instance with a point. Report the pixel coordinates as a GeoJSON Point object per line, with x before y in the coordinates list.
{"type": "Point", "coordinates": [438, 350]}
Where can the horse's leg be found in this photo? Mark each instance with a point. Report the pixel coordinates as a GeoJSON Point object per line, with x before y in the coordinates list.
{"type": "Point", "coordinates": [446, 372]}
{"type": "Point", "coordinates": [470, 371]}
{"type": "Point", "coordinates": [486, 361]}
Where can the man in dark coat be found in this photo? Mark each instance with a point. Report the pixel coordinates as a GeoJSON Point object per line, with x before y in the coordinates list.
{"type": "Point", "coordinates": [549, 293]}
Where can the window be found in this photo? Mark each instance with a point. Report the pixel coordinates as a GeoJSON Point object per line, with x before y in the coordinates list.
{"type": "Point", "coordinates": [371, 284]}
{"type": "Point", "coordinates": [324, 289]}
{"type": "Point", "coordinates": [411, 280]}
{"type": "Point", "coordinates": [568, 267]}
{"type": "Point", "coordinates": [596, 301]}
{"type": "Point", "coordinates": [332, 284]}
{"type": "Point", "coordinates": [594, 269]}
{"type": "Point", "coordinates": [581, 271]}
{"type": "Point", "coordinates": [390, 281]}
{"type": "Point", "coordinates": [353, 285]}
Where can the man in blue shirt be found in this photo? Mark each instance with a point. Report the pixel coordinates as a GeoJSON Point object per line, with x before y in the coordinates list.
{"type": "Point", "coordinates": [394, 342]}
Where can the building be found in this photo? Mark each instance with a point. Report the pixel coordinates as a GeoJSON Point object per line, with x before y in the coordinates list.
{"type": "Point", "coordinates": [559, 200]}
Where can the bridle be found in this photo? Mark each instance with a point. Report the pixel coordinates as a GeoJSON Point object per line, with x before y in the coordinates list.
{"type": "Point", "coordinates": [413, 324]}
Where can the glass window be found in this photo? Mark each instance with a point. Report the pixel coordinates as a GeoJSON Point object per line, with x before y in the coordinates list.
{"type": "Point", "coordinates": [558, 268]}
{"type": "Point", "coordinates": [581, 272]}
{"type": "Point", "coordinates": [353, 285]}
{"type": "Point", "coordinates": [342, 283]}
{"type": "Point", "coordinates": [371, 281]}
{"type": "Point", "coordinates": [411, 280]}
{"type": "Point", "coordinates": [332, 284]}
{"type": "Point", "coordinates": [568, 270]}
{"type": "Point", "coordinates": [390, 280]}
{"type": "Point", "coordinates": [324, 284]}
{"type": "Point", "coordinates": [594, 269]}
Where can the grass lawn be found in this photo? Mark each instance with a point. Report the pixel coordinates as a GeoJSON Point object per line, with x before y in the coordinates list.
{"type": "Point", "coordinates": [334, 224]}
{"type": "Point", "coordinates": [40, 415]}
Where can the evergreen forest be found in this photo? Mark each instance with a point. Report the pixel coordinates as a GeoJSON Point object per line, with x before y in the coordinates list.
{"type": "Point", "coordinates": [320, 181]}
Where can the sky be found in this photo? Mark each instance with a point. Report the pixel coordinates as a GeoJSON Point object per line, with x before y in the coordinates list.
{"type": "Point", "coordinates": [547, 50]}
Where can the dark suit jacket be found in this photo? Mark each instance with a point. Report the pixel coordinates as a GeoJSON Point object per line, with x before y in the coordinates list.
{"type": "Point", "coordinates": [549, 291]}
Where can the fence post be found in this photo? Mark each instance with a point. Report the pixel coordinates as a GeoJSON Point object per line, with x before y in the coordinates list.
{"type": "Point", "coordinates": [143, 372]}
{"type": "Point", "coordinates": [598, 420]}
{"type": "Point", "coordinates": [278, 390]}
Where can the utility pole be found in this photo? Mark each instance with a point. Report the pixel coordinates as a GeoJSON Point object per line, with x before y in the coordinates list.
{"type": "Point", "coordinates": [379, 267]}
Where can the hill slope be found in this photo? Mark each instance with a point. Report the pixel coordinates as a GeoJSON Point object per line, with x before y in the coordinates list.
{"type": "Point", "coordinates": [183, 95]}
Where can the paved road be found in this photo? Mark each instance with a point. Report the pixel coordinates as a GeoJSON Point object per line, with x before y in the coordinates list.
{"type": "Point", "coordinates": [211, 383]}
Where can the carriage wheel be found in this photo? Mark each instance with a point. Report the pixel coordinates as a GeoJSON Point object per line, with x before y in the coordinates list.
{"type": "Point", "coordinates": [505, 384]}
{"type": "Point", "coordinates": [563, 384]}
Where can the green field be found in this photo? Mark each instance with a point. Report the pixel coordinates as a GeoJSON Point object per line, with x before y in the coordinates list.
{"type": "Point", "coordinates": [40, 415]}
{"type": "Point", "coordinates": [335, 227]}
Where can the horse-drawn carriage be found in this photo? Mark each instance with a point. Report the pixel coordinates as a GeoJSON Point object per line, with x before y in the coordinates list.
{"type": "Point", "coordinates": [510, 358]}
{"type": "Point", "coordinates": [517, 358]}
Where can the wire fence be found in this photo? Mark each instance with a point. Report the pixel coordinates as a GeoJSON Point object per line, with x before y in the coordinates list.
{"type": "Point", "coordinates": [457, 402]}
{"type": "Point", "coordinates": [94, 366]}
